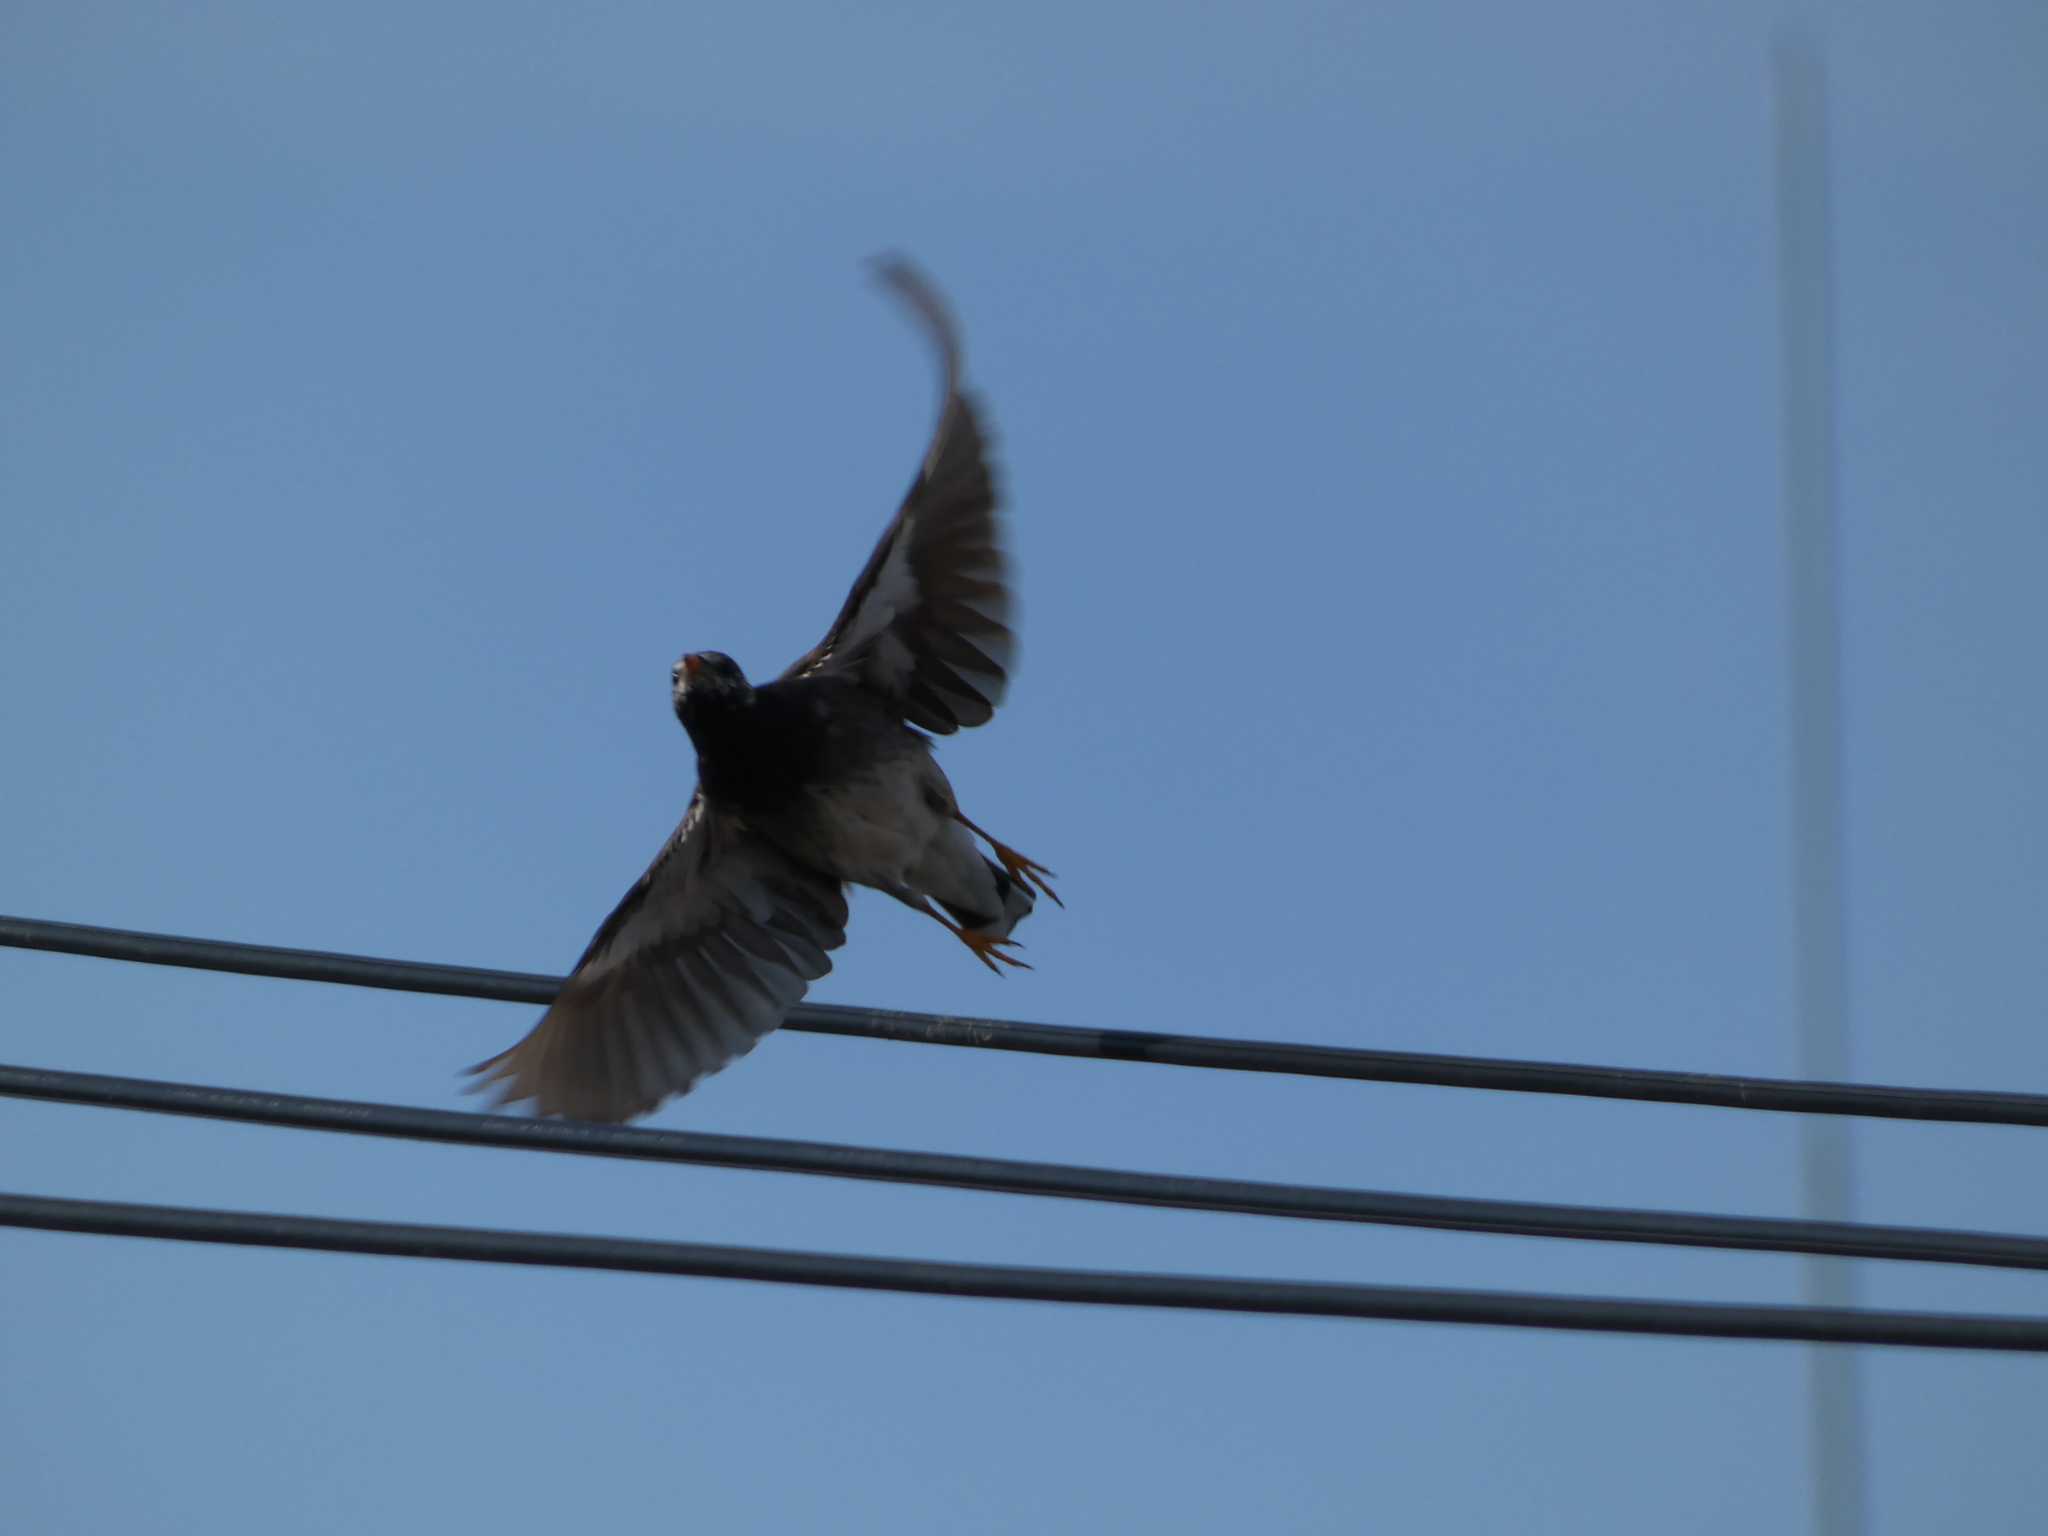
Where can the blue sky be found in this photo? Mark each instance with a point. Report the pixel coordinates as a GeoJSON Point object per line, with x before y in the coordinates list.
{"type": "Point", "coordinates": [1387, 397]}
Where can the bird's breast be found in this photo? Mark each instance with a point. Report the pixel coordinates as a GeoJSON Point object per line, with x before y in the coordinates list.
{"type": "Point", "coordinates": [833, 777]}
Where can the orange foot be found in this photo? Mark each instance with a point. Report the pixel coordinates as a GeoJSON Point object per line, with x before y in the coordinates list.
{"type": "Point", "coordinates": [988, 951]}
{"type": "Point", "coordinates": [1029, 871]}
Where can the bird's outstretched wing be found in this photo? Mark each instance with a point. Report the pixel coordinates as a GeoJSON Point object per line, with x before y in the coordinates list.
{"type": "Point", "coordinates": [927, 624]}
{"type": "Point", "coordinates": [708, 952]}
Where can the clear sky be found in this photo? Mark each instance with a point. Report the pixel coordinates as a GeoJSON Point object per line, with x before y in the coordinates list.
{"type": "Point", "coordinates": [1387, 396]}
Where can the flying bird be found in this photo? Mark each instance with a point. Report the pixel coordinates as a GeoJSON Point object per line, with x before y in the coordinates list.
{"type": "Point", "coordinates": [824, 777]}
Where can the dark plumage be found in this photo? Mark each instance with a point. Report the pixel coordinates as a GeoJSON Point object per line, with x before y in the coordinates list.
{"type": "Point", "coordinates": [805, 784]}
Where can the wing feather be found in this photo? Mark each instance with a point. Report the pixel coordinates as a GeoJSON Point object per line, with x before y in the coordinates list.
{"type": "Point", "coordinates": [707, 953]}
{"type": "Point", "coordinates": [927, 624]}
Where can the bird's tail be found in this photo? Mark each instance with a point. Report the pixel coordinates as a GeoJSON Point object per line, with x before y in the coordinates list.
{"type": "Point", "coordinates": [1015, 903]}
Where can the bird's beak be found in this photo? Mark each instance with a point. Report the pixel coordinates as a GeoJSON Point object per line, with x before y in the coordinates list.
{"type": "Point", "coordinates": [692, 664]}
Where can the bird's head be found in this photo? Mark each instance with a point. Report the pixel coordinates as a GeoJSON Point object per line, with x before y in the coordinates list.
{"type": "Point", "coordinates": [707, 680]}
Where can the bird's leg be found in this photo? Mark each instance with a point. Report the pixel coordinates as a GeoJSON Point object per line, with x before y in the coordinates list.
{"type": "Point", "coordinates": [987, 950]}
{"type": "Point", "coordinates": [1028, 871]}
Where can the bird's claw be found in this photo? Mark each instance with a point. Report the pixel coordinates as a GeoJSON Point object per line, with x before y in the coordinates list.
{"type": "Point", "coordinates": [989, 950]}
{"type": "Point", "coordinates": [1027, 872]}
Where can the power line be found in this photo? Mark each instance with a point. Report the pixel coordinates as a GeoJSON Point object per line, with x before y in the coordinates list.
{"type": "Point", "coordinates": [1212, 1293]}
{"type": "Point", "coordinates": [1971, 1106]}
{"type": "Point", "coordinates": [1008, 1176]}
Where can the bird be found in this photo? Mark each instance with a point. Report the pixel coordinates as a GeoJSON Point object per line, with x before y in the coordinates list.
{"type": "Point", "coordinates": [821, 779]}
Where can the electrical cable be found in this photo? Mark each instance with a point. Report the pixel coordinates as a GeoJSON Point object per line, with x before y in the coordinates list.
{"type": "Point", "coordinates": [1971, 1106]}
{"type": "Point", "coordinates": [1008, 1176]}
{"type": "Point", "coordinates": [1215, 1293]}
